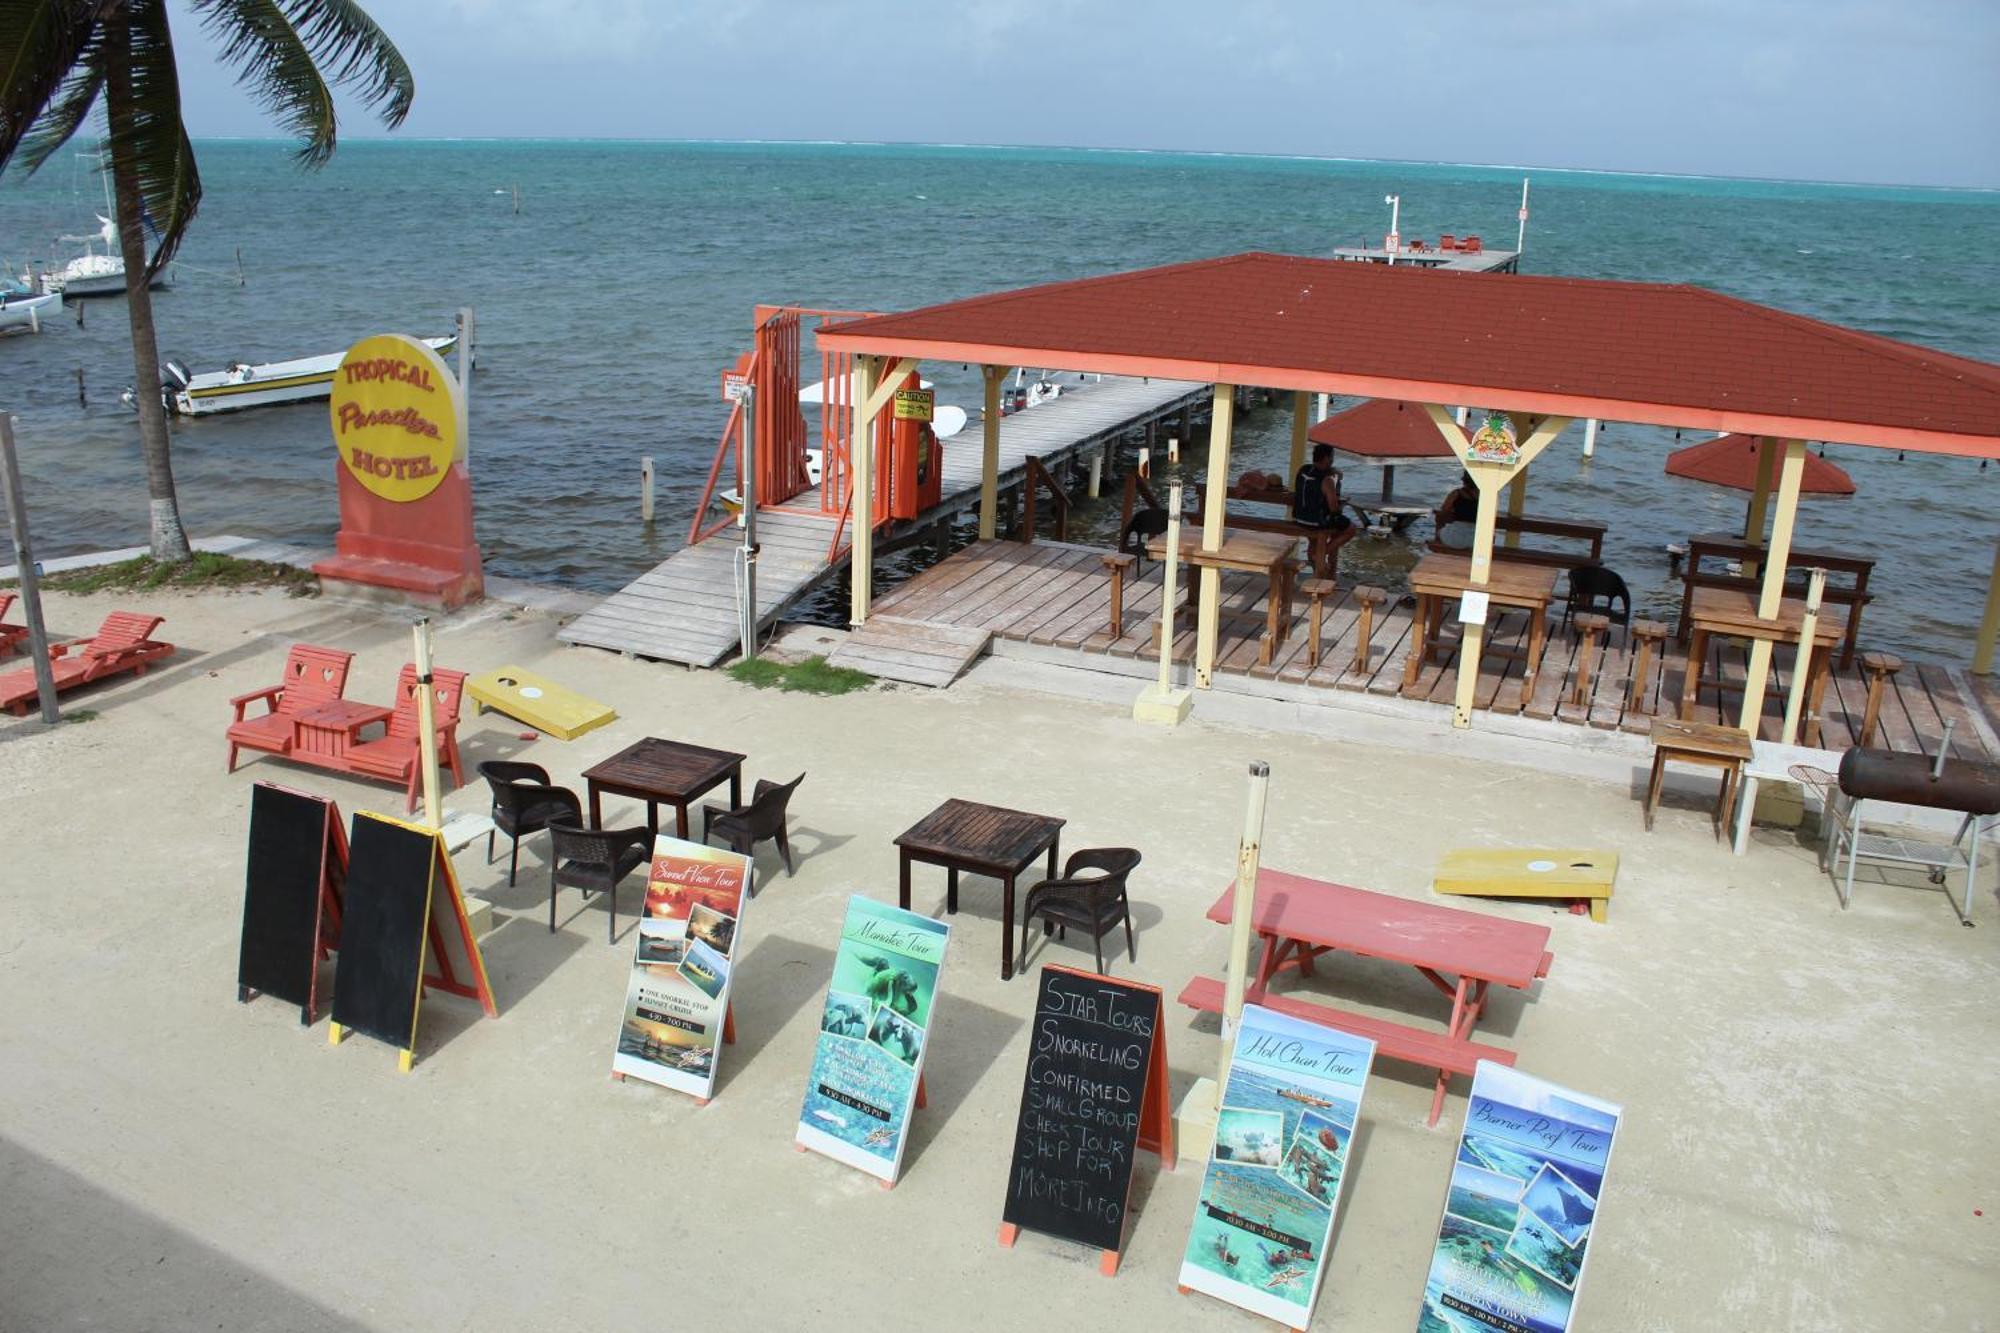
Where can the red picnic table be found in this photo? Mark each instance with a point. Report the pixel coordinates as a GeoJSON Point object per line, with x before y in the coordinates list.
{"type": "Point", "coordinates": [1459, 952]}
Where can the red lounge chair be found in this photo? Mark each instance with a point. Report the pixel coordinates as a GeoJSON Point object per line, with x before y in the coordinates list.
{"type": "Point", "coordinates": [9, 634]}
{"type": "Point", "coordinates": [313, 676]}
{"type": "Point", "coordinates": [122, 643]}
{"type": "Point", "coordinates": [1447, 242]}
{"type": "Point", "coordinates": [1472, 245]}
{"type": "Point", "coordinates": [394, 756]}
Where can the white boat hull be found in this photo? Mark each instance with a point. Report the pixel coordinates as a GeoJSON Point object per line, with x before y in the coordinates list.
{"type": "Point", "coordinates": [21, 312]}
{"type": "Point", "coordinates": [297, 381]}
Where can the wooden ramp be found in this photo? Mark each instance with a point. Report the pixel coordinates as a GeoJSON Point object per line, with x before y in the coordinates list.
{"type": "Point", "coordinates": [910, 650]}
{"type": "Point", "coordinates": [685, 608]}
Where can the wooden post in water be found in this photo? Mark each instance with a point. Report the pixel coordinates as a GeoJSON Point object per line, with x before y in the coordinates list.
{"type": "Point", "coordinates": [464, 367]}
{"type": "Point", "coordinates": [991, 378]}
{"type": "Point", "coordinates": [420, 636]}
{"type": "Point", "coordinates": [24, 563]}
{"type": "Point", "coordinates": [646, 488]}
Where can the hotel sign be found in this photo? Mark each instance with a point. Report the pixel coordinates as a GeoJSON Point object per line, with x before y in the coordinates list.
{"type": "Point", "coordinates": [397, 416]}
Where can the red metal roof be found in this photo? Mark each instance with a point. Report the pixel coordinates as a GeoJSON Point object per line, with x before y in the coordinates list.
{"type": "Point", "coordinates": [1625, 351]}
{"type": "Point", "coordinates": [1731, 460]}
{"type": "Point", "coordinates": [1382, 429]}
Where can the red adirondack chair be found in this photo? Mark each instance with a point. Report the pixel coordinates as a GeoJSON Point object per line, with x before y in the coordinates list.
{"type": "Point", "coordinates": [313, 676]}
{"type": "Point", "coordinates": [9, 634]}
{"type": "Point", "coordinates": [122, 643]}
{"type": "Point", "coordinates": [394, 756]}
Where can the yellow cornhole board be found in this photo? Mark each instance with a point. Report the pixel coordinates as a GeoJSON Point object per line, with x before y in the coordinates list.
{"type": "Point", "coordinates": [1541, 872]}
{"type": "Point", "coordinates": [542, 704]}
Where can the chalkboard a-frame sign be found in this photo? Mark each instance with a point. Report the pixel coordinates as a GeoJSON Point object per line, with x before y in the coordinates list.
{"type": "Point", "coordinates": [403, 910]}
{"type": "Point", "coordinates": [1095, 1092]}
{"type": "Point", "coordinates": [293, 871]}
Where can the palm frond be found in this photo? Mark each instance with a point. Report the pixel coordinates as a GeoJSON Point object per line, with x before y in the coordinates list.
{"type": "Point", "coordinates": [150, 140]}
{"type": "Point", "coordinates": [65, 116]}
{"type": "Point", "coordinates": [351, 49]}
{"type": "Point", "coordinates": [274, 63]}
{"type": "Point", "coordinates": [41, 42]}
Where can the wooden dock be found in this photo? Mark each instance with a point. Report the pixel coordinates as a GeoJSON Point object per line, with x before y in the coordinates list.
{"type": "Point", "coordinates": [1056, 596]}
{"type": "Point", "coordinates": [685, 609]}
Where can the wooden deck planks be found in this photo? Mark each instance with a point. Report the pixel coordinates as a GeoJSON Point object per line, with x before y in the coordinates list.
{"type": "Point", "coordinates": [910, 651]}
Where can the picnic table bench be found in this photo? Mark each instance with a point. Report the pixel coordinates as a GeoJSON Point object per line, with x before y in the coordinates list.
{"type": "Point", "coordinates": [1590, 534]}
{"type": "Point", "coordinates": [1461, 953]}
{"type": "Point", "coordinates": [1852, 593]}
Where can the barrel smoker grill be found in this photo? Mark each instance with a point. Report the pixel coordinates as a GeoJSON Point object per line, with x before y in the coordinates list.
{"type": "Point", "coordinates": [1961, 786]}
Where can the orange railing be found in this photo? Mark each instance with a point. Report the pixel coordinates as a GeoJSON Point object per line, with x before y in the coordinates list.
{"type": "Point", "coordinates": [733, 432]}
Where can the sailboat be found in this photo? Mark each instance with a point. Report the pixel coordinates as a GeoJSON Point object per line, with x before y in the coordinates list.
{"type": "Point", "coordinates": [92, 273]}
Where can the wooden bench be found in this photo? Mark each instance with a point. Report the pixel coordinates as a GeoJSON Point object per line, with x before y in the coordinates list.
{"type": "Point", "coordinates": [1398, 1041]}
{"type": "Point", "coordinates": [1325, 561]}
{"type": "Point", "coordinates": [1852, 594]}
{"type": "Point", "coordinates": [1590, 534]}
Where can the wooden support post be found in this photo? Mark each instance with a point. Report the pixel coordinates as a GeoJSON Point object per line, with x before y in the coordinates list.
{"type": "Point", "coordinates": [1116, 563]}
{"type": "Point", "coordinates": [1777, 557]}
{"type": "Point", "coordinates": [1649, 635]}
{"type": "Point", "coordinates": [1318, 590]}
{"type": "Point", "coordinates": [1026, 535]}
{"type": "Point", "coordinates": [1301, 424]}
{"type": "Point", "coordinates": [420, 653]}
{"type": "Point", "coordinates": [646, 488]}
{"type": "Point", "coordinates": [1370, 597]}
{"type": "Point", "coordinates": [1517, 504]}
{"type": "Point", "coordinates": [1880, 667]}
{"type": "Point", "coordinates": [861, 468]}
{"type": "Point", "coordinates": [1209, 621]}
{"type": "Point", "coordinates": [1802, 665]}
{"type": "Point", "coordinates": [989, 458]}
{"type": "Point", "coordinates": [1589, 625]}
{"type": "Point", "coordinates": [1249, 852]}
{"type": "Point", "coordinates": [1989, 626]}
{"type": "Point", "coordinates": [1590, 437]}
{"type": "Point", "coordinates": [1760, 500]}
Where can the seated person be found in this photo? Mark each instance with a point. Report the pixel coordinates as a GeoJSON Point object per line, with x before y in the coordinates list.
{"type": "Point", "coordinates": [1458, 516]}
{"type": "Point", "coordinates": [1316, 501]}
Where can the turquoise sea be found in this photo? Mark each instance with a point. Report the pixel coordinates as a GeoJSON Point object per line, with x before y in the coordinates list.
{"type": "Point", "coordinates": [608, 305]}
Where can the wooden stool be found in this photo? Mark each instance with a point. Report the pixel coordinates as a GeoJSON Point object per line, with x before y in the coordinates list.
{"type": "Point", "coordinates": [1318, 590]}
{"type": "Point", "coordinates": [1701, 743]}
{"type": "Point", "coordinates": [1115, 564]}
{"type": "Point", "coordinates": [1880, 667]}
{"type": "Point", "coordinates": [1649, 635]}
{"type": "Point", "coordinates": [1370, 597]}
{"type": "Point", "coordinates": [1589, 624]}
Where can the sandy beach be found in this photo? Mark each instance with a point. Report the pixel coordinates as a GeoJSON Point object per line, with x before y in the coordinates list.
{"type": "Point", "coordinates": [1809, 1093]}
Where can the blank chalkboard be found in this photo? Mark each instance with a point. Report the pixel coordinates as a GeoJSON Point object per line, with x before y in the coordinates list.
{"type": "Point", "coordinates": [390, 869]}
{"type": "Point", "coordinates": [1089, 1053]}
{"type": "Point", "coordinates": [291, 853]}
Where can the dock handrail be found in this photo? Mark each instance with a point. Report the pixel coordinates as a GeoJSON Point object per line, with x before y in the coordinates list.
{"type": "Point", "coordinates": [732, 431]}
{"type": "Point", "coordinates": [1036, 472]}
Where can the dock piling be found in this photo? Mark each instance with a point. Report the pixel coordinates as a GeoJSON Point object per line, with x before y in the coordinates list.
{"type": "Point", "coordinates": [645, 486]}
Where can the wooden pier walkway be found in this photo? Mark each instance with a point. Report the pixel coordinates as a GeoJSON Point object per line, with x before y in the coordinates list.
{"type": "Point", "coordinates": [1057, 596]}
{"type": "Point", "coordinates": [685, 609]}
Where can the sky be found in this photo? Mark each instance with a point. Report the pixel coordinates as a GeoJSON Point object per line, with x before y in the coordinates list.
{"type": "Point", "coordinates": [1889, 91]}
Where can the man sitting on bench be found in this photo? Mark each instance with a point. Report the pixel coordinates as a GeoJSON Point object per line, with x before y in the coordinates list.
{"type": "Point", "coordinates": [1316, 501]}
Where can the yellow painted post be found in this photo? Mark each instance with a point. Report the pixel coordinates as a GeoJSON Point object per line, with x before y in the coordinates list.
{"type": "Point", "coordinates": [1760, 499]}
{"type": "Point", "coordinates": [989, 459]}
{"type": "Point", "coordinates": [1221, 422]}
{"type": "Point", "coordinates": [1301, 423]}
{"type": "Point", "coordinates": [861, 467]}
{"type": "Point", "coordinates": [1758, 673]}
{"type": "Point", "coordinates": [1517, 503]}
{"type": "Point", "coordinates": [1989, 627]}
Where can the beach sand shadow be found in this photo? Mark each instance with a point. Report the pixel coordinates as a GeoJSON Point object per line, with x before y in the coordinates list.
{"type": "Point", "coordinates": [790, 976]}
{"type": "Point", "coordinates": [973, 1035]}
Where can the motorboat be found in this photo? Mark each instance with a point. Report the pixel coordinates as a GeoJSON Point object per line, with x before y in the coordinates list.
{"type": "Point", "coordinates": [241, 385]}
{"type": "Point", "coordinates": [24, 308]}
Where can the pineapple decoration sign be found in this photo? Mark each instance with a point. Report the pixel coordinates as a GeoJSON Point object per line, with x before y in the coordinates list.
{"type": "Point", "coordinates": [1494, 442]}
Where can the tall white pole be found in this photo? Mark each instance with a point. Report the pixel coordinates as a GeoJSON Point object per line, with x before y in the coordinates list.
{"type": "Point", "coordinates": [749, 553]}
{"type": "Point", "coordinates": [1802, 664]}
{"type": "Point", "coordinates": [1394, 240]}
{"type": "Point", "coordinates": [1169, 585]}
{"type": "Point", "coordinates": [1590, 437]}
{"type": "Point", "coordinates": [420, 650]}
{"type": "Point", "coordinates": [1243, 907]}
{"type": "Point", "coordinates": [465, 337]}
{"type": "Point", "coordinates": [1521, 236]}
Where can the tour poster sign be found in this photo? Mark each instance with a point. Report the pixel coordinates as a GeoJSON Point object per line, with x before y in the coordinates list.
{"type": "Point", "coordinates": [398, 416]}
{"type": "Point", "coordinates": [1518, 1216]}
{"type": "Point", "coordinates": [872, 1037]}
{"type": "Point", "coordinates": [1283, 1125]}
{"type": "Point", "coordinates": [689, 938]}
{"type": "Point", "coordinates": [1094, 1093]}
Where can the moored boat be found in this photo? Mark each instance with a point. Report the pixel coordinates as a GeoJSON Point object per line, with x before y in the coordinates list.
{"type": "Point", "coordinates": [241, 385]}
{"type": "Point", "coordinates": [23, 309]}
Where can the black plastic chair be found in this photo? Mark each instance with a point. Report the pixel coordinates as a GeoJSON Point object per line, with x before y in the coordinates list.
{"type": "Point", "coordinates": [1591, 584]}
{"type": "Point", "coordinates": [523, 803]}
{"type": "Point", "coordinates": [1095, 902]}
{"type": "Point", "coordinates": [763, 819]}
{"type": "Point", "coordinates": [594, 860]}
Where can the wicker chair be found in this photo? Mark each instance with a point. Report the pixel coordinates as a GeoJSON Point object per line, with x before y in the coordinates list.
{"type": "Point", "coordinates": [594, 860]}
{"type": "Point", "coordinates": [1095, 902]}
{"type": "Point", "coordinates": [524, 802]}
{"type": "Point", "coordinates": [764, 818]}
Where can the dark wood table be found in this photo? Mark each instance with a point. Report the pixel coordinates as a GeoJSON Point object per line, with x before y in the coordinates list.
{"type": "Point", "coordinates": [986, 840]}
{"type": "Point", "coordinates": [1251, 553]}
{"type": "Point", "coordinates": [1440, 577]}
{"type": "Point", "coordinates": [1722, 613]}
{"type": "Point", "coordinates": [664, 773]}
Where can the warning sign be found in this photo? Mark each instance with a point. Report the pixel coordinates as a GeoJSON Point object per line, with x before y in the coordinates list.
{"type": "Point", "coordinates": [915, 404]}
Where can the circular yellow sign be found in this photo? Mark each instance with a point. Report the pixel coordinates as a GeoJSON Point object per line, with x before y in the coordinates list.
{"type": "Point", "coordinates": [396, 416]}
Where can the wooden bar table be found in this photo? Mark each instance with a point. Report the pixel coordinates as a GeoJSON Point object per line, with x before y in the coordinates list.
{"type": "Point", "coordinates": [1441, 577]}
{"type": "Point", "coordinates": [986, 840]}
{"type": "Point", "coordinates": [1253, 553]}
{"type": "Point", "coordinates": [661, 772]}
{"type": "Point", "coordinates": [1727, 613]}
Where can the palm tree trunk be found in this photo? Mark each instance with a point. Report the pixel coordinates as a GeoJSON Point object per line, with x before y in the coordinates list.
{"type": "Point", "coordinates": [168, 539]}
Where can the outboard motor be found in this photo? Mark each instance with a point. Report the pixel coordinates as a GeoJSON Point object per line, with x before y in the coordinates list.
{"type": "Point", "coordinates": [173, 377]}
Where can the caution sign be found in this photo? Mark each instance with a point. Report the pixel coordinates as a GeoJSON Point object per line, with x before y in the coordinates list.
{"type": "Point", "coordinates": [397, 416]}
{"type": "Point", "coordinates": [915, 404]}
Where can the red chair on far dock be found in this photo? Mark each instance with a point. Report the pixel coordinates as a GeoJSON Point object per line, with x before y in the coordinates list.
{"type": "Point", "coordinates": [1447, 242]}
{"type": "Point", "coordinates": [313, 676]}
{"type": "Point", "coordinates": [122, 643]}
{"type": "Point", "coordinates": [1472, 245]}
{"type": "Point", "coordinates": [394, 756]}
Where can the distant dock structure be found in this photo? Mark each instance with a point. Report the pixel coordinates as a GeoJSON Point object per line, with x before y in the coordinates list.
{"type": "Point", "coordinates": [1421, 254]}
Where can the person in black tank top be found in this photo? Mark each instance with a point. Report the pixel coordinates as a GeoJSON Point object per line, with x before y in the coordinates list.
{"type": "Point", "coordinates": [1317, 503]}
{"type": "Point", "coordinates": [1458, 516]}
